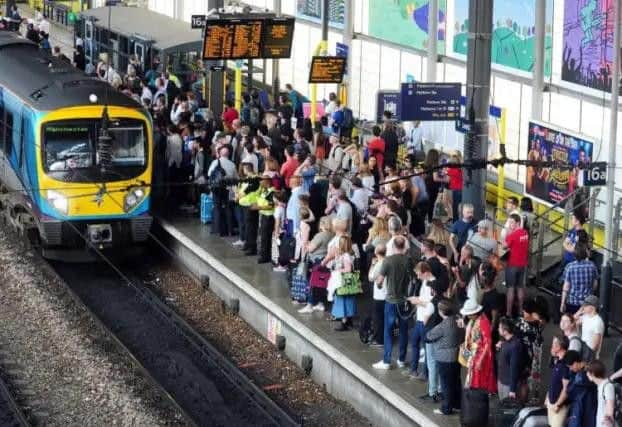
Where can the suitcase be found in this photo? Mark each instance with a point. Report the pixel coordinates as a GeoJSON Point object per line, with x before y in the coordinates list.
{"type": "Point", "coordinates": [475, 407]}
{"type": "Point", "coordinates": [207, 208]}
{"type": "Point", "coordinates": [506, 412]}
{"type": "Point", "coordinates": [533, 416]}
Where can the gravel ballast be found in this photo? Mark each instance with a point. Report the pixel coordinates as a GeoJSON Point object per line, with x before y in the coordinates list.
{"type": "Point", "coordinates": [73, 372]}
{"type": "Point", "coordinates": [279, 377]}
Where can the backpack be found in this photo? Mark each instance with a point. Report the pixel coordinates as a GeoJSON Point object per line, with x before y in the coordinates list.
{"type": "Point", "coordinates": [587, 354]}
{"type": "Point", "coordinates": [366, 332]}
{"type": "Point", "coordinates": [217, 176]}
{"type": "Point", "coordinates": [254, 115]}
{"type": "Point", "coordinates": [348, 119]}
{"type": "Point", "coordinates": [358, 234]}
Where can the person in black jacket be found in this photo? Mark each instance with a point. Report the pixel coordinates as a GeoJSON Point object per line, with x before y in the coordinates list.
{"type": "Point", "coordinates": [510, 361]}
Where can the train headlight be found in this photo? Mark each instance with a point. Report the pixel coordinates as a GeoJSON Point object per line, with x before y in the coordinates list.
{"type": "Point", "coordinates": [59, 201]}
{"type": "Point", "coordinates": [133, 197]}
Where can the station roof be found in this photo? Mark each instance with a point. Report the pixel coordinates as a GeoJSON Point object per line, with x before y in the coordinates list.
{"type": "Point", "coordinates": [165, 32]}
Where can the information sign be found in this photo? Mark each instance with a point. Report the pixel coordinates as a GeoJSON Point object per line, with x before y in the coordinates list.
{"type": "Point", "coordinates": [197, 21]}
{"type": "Point", "coordinates": [327, 69]}
{"type": "Point", "coordinates": [343, 50]}
{"type": "Point", "coordinates": [430, 101]}
{"type": "Point", "coordinates": [277, 38]}
{"type": "Point", "coordinates": [232, 39]}
{"type": "Point", "coordinates": [388, 100]}
{"type": "Point", "coordinates": [595, 174]}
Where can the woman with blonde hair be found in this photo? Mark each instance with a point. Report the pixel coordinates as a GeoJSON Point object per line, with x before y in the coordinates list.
{"type": "Point", "coordinates": [342, 267]}
{"type": "Point", "coordinates": [438, 233]}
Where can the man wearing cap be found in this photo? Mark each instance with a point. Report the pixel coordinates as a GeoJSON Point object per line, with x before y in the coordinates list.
{"type": "Point", "coordinates": [582, 393]}
{"type": "Point", "coordinates": [482, 243]}
{"type": "Point", "coordinates": [592, 325]}
{"type": "Point", "coordinates": [580, 280]}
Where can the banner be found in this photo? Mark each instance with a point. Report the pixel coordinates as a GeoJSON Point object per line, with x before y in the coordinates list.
{"type": "Point", "coordinates": [551, 184]}
{"type": "Point", "coordinates": [588, 43]}
{"type": "Point", "coordinates": [513, 38]}
{"type": "Point", "coordinates": [405, 22]}
{"type": "Point", "coordinates": [312, 10]}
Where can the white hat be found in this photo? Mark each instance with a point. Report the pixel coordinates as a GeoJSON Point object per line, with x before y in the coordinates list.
{"type": "Point", "coordinates": [471, 307]}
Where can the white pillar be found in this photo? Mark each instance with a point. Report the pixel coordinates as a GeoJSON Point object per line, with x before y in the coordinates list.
{"type": "Point", "coordinates": [432, 40]}
{"type": "Point", "coordinates": [538, 70]}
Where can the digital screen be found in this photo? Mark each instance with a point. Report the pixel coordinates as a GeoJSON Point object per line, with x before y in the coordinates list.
{"type": "Point", "coordinates": [327, 69]}
{"type": "Point", "coordinates": [278, 37]}
{"type": "Point", "coordinates": [232, 39]}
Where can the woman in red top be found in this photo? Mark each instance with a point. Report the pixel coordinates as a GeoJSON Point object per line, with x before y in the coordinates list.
{"type": "Point", "coordinates": [375, 146]}
{"type": "Point", "coordinates": [455, 182]}
{"type": "Point", "coordinates": [477, 350]}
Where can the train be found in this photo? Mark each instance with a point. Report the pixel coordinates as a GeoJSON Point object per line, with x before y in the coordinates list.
{"type": "Point", "coordinates": [76, 157]}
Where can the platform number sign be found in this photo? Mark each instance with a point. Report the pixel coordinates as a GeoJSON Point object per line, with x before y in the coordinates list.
{"type": "Point", "coordinates": [595, 174]}
{"type": "Point", "coordinates": [198, 21]}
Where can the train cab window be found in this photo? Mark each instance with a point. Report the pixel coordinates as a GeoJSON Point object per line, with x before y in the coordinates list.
{"type": "Point", "coordinates": [128, 146]}
{"type": "Point", "coordinates": [68, 146]}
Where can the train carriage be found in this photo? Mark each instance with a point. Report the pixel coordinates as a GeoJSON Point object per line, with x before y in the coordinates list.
{"type": "Point", "coordinates": [62, 184]}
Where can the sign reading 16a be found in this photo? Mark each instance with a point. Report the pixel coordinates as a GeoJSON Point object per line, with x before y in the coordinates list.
{"type": "Point", "coordinates": [595, 174]}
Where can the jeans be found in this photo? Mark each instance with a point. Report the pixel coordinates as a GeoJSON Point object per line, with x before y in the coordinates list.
{"type": "Point", "coordinates": [449, 374]}
{"type": "Point", "coordinates": [240, 218]}
{"type": "Point", "coordinates": [433, 382]}
{"type": "Point", "coordinates": [390, 315]}
{"type": "Point", "coordinates": [379, 321]}
{"type": "Point", "coordinates": [418, 335]}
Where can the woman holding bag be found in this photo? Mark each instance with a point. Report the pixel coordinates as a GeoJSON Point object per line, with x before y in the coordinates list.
{"type": "Point", "coordinates": [347, 286]}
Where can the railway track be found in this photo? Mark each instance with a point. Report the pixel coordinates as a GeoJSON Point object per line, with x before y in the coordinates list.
{"type": "Point", "coordinates": [208, 388]}
{"type": "Point", "coordinates": [11, 414]}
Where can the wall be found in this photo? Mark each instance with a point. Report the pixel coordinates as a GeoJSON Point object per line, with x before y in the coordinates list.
{"type": "Point", "coordinates": [376, 64]}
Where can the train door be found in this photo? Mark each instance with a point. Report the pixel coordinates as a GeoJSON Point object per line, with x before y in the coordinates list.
{"type": "Point", "coordinates": [139, 51]}
{"type": "Point", "coordinates": [88, 42]}
{"type": "Point", "coordinates": [115, 54]}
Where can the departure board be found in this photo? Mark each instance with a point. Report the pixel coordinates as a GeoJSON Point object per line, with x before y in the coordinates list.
{"type": "Point", "coordinates": [278, 37]}
{"type": "Point", "coordinates": [232, 39]}
{"type": "Point", "coordinates": [327, 69]}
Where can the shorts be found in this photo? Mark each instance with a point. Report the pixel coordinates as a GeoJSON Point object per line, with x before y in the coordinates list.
{"type": "Point", "coordinates": [514, 277]}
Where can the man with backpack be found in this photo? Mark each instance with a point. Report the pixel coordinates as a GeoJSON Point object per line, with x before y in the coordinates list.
{"type": "Point", "coordinates": [582, 393]}
{"type": "Point", "coordinates": [608, 411]}
{"type": "Point", "coordinates": [219, 171]}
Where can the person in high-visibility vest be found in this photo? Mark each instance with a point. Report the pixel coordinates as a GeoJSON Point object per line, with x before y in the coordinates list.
{"type": "Point", "coordinates": [265, 206]}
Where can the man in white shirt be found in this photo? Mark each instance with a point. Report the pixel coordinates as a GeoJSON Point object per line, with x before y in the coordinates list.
{"type": "Point", "coordinates": [360, 196]}
{"type": "Point", "coordinates": [223, 208]}
{"type": "Point", "coordinates": [344, 209]}
{"type": "Point", "coordinates": [424, 309]}
{"type": "Point", "coordinates": [605, 412]}
{"type": "Point", "coordinates": [592, 325]}
{"type": "Point", "coordinates": [511, 207]}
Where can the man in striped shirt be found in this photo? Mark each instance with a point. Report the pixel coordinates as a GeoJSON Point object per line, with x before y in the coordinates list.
{"type": "Point", "coordinates": [580, 280]}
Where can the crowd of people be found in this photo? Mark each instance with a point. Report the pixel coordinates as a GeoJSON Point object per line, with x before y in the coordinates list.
{"type": "Point", "coordinates": [344, 216]}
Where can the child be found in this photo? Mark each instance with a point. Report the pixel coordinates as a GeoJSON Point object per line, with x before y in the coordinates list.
{"type": "Point", "coordinates": [344, 307]}
{"type": "Point", "coordinates": [379, 296]}
{"type": "Point", "coordinates": [279, 227]}
{"type": "Point", "coordinates": [299, 278]}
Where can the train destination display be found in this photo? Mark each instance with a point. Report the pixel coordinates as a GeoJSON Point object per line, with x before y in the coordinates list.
{"type": "Point", "coordinates": [327, 69]}
{"type": "Point", "coordinates": [277, 38]}
{"type": "Point", "coordinates": [232, 39]}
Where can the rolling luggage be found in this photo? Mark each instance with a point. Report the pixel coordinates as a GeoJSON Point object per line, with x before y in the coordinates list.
{"type": "Point", "coordinates": [474, 408]}
{"type": "Point", "coordinates": [506, 412]}
{"type": "Point", "coordinates": [533, 416]}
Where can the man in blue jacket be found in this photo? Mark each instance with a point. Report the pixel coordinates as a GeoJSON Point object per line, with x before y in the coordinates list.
{"type": "Point", "coordinates": [582, 393]}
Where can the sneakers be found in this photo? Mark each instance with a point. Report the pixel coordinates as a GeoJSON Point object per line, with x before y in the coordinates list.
{"type": "Point", "coordinates": [375, 344]}
{"type": "Point", "coordinates": [307, 309]}
{"type": "Point", "coordinates": [401, 364]}
{"type": "Point", "coordinates": [381, 365]}
{"type": "Point", "coordinates": [280, 269]}
{"type": "Point", "coordinates": [319, 307]}
{"type": "Point", "coordinates": [427, 397]}
{"type": "Point", "coordinates": [238, 243]}
{"type": "Point", "coordinates": [295, 302]}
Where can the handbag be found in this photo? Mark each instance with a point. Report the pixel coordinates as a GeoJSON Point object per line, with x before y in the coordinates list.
{"type": "Point", "coordinates": [463, 356]}
{"type": "Point", "coordinates": [350, 284]}
{"type": "Point", "coordinates": [319, 277]}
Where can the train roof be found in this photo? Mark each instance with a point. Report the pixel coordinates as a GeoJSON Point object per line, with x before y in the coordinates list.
{"type": "Point", "coordinates": [166, 33]}
{"type": "Point", "coordinates": [48, 83]}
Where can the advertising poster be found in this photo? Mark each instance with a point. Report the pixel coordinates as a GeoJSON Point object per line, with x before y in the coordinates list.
{"type": "Point", "coordinates": [312, 10]}
{"type": "Point", "coordinates": [588, 43]}
{"type": "Point", "coordinates": [405, 22]}
{"type": "Point", "coordinates": [513, 37]}
{"type": "Point", "coordinates": [565, 151]}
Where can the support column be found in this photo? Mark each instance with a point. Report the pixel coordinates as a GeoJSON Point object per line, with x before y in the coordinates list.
{"type": "Point", "coordinates": [478, 93]}
{"type": "Point", "coordinates": [538, 69]}
{"type": "Point", "coordinates": [276, 82]}
{"type": "Point", "coordinates": [605, 288]}
{"type": "Point", "coordinates": [217, 78]}
{"type": "Point", "coordinates": [432, 40]}
{"type": "Point", "coordinates": [322, 51]}
{"type": "Point", "coordinates": [348, 36]}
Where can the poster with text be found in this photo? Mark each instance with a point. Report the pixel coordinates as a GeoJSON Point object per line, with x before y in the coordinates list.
{"type": "Point", "coordinates": [405, 22]}
{"type": "Point", "coordinates": [513, 37]}
{"type": "Point", "coordinates": [566, 152]}
{"type": "Point", "coordinates": [588, 43]}
{"type": "Point", "coordinates": [312, 10]}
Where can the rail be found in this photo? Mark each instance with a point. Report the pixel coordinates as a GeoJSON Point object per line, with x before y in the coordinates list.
{"type": "Point", "coordinates": [10, 411]}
